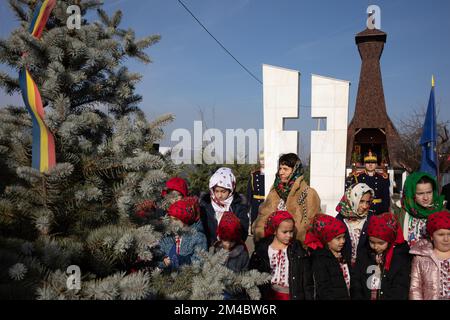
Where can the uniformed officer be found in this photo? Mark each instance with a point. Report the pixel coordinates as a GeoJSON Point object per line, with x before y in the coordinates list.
{"type": "Point", "coordinates": [255, 189]}
{"type": "Point", "coordinates": [379, 182]}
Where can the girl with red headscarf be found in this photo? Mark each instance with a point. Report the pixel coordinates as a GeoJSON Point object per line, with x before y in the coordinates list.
{"type": "Point", "coordinates": [281, 255]}
{"type": "Point", "coordinates": [383, 266]}
{"type": "Point", "coordinates": [175, 189]}
{"type": "Point", "coordinates": [230, 240]}
{"type": "Point", "coordinates": [183, 242]}
{"type": "Point", "coordinates": [326, 238]}
{"type": "Point", "coordinates": [430, 271]}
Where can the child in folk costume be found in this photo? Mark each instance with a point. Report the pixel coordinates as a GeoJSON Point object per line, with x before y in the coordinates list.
{"type": "Point", "coordinates": [354, 212]}
{"type": "Point", "coordinates": [282, 255]}
{"type": "Point", "coordinates": [420, 199]}
{"type": "Point", "coordinates": [222, 198]}
{"type": "Point", "coordinates": [382, 268]}
{"type": "Point", "coordinates": [326, 238]}
{"type": "Point", "coordinates": [291, 193]}
{"type": "Point", "coordinates": [430, 271]}
{"type": "Point", "coordinates": [183, 243]}
{"type": "Point", "coordinates": [230, 240]}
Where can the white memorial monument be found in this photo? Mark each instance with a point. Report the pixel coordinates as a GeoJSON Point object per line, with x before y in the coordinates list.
{"type": "Point", "coordinates": [328, 148]}
{"type": "Point", "coordinates": [329, 99]}
{"type": "Point", "coordinates": [281, 100]}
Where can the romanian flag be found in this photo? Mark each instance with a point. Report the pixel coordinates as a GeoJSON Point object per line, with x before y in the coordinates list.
{"type": "Point", "coordinates": [43, 141]}
{"type": "Point", "coordinates": [40, 17]}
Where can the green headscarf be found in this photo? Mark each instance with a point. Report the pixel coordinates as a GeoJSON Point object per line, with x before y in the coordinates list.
{"type": "Point", "coordinates": [409, 192]}
{"type": "Point", "coordinates": [283, 189]}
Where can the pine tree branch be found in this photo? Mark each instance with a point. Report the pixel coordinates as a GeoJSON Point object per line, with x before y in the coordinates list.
{"type": "Point", "coordinates": [104, 17]}
{"type": "Point", "coordinates": [18, 10]}
{"type": "Point", "coordinates": [10, 84]}
{"type": "Point", "coordinates": [117, 18]}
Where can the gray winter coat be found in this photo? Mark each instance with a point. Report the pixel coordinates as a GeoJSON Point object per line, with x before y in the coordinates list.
{"type": "Point", "coordinates": [238, 257]}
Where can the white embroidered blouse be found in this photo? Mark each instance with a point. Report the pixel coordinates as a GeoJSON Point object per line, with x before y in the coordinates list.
{"type": "Point", "coordinates": [279, 264]}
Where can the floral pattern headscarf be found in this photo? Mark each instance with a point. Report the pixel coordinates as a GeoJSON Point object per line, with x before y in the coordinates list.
{"type": "Point", "coordinates": [229, 228]}
{"type": "Point", "coordinates": [386, 227]}
{"type": "Point", "coordinates": [409, 193]}
{"type": "Point", "coordinates": [322, 230]}
{"type": "Point", "coordinates": [283, 189]}
{"type": "Point", "coordinates": [438, 220]}
{"type": "Point", "coordinates": [348, 206]}
{"type": "Point", "coordinates": [186, 210]}
{"type": "Point", "coordinates": [274, 220]}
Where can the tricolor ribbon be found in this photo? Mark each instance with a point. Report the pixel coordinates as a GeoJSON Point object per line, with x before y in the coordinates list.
{"type": "Point", "coordinates": [43, 149]}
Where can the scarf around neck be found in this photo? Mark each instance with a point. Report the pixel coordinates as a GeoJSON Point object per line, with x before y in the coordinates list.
{"type": "Point", "coordinates": [283, 189]}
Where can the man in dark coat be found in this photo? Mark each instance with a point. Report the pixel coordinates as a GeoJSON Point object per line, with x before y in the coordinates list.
{"type": "Point", "coordinates": [255, 189]}
{"type": "Point", "coordinates": [379, 182]}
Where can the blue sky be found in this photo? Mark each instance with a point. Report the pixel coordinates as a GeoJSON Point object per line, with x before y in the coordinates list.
{"type": "Point", "coordinates": [191, 72]}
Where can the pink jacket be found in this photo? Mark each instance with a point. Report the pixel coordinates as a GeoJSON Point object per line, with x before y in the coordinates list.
{"type": "Point", "coordinates": [424, 272]}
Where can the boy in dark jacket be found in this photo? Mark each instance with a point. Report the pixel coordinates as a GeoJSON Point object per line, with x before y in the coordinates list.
{"type": "Point", "coordinates": [382, 269]}
{"type": "Point", "coordinates": [326, 238]}
{"type": "Point", "coordinates": [222, 198]}
{"type": "Point", "coordinates": [281, 255]}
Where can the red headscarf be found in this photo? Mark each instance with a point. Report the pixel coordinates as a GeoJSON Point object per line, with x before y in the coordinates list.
{"type": "Point", "coordinates": [187, 210]}
{"type": "Point", "coordinates": [274, 221]}
{"type": "Point", "coordinates": [386, 227]}
{"type": "Point", "coordinates": [177, 184]}
{"type": "Point", "coordinates": [229, 228]}
{"type": "Point", "coordinates": [438, 220]}
{"type": "Point", "coordinates": [322, 230]}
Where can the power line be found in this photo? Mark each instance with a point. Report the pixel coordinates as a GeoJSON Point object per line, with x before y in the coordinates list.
{"type": "Point", "coordinates": [220, 44]}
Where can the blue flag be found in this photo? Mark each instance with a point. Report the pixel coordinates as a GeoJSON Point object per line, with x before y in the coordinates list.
{"type": "Point", "coordinates": [429, 163]}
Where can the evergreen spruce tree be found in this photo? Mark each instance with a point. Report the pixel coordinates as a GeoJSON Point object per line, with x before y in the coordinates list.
{"type": "Point", "coordinates": [83, 211]}
{"type": "Point", "coordinates": [198, 175]}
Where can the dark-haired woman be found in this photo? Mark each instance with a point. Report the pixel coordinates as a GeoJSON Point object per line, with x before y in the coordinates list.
{"type": "Point", "coordinates": [289, 193]}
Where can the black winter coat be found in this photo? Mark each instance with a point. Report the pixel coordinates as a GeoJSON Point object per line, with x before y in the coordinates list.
{"type": "Point", "coordinates": [446, 193]}
{"type": "Point", "coordinates": [394, 283]}
{"type": "Point", "coordinates": [208, 216]}
{"type": "Point", "coordinates": [328, 278]}
{"type": "Point", "coordinates": [301, 285]}
{"type": "Point", "coordinates": [363, 238]}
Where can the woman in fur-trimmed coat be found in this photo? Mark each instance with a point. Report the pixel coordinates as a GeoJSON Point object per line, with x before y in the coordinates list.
{"type": "Point", "coordinates": [290, 192]}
